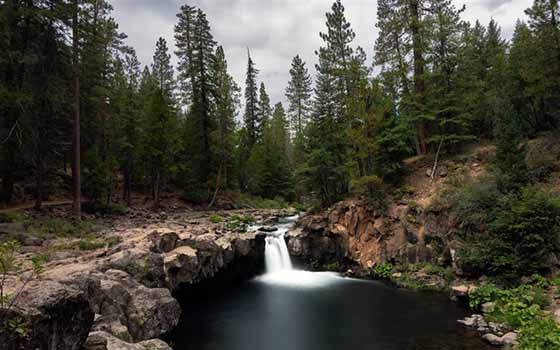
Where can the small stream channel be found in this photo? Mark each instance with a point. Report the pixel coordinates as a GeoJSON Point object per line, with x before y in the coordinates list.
{"type": "Point", "coordinates": [288, 309]}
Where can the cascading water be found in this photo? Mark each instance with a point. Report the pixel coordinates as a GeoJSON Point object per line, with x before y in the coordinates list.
{"type": "Point", "coordinates": [279, 270]}
{"type": "Point", "coordinates": [277, 257]}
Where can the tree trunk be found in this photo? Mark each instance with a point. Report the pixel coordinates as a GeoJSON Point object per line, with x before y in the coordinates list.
{"type": "Point", "coordinates": [76, 166]}
{"type": "Point", "coordinates": [217, 190]}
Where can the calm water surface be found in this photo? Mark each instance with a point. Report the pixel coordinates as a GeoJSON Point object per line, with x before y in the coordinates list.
{"type": "Point", "coordinates": [320, 311]}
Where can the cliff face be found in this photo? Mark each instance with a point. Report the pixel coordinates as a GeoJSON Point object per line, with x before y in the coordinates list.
{"type": "Point", "coordinates": [367, 237]}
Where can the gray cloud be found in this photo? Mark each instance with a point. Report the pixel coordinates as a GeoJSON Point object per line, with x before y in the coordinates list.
{"type": "Point", "coordinates": [276, 30]}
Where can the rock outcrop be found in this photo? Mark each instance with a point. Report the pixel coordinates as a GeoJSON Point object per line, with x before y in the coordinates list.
{"type": "Point", "coordinates": [369, 237]}
{"type": "Point", "coordinates": [125, 294]}
{"type": "Point", "coordinates": [52, 315]}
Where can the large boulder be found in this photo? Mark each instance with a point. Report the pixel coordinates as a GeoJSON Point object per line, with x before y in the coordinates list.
{"type": "Point", "coordinates": [56, 317]}
{"type": "Point", "coordinates": [130, 310]}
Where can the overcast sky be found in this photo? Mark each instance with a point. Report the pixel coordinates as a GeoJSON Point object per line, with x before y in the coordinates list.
{"type": "Point", "coordinates": [276, 30]}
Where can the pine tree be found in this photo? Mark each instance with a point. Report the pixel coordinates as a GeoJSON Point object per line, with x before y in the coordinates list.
{"type": "Point", "coordinates": [526, 78]}
{"type": "Point", "coordinates": [337, 53]}
{"type": "Point", "coordinates": [298, 93]}
{"type": "Point", "coordinates": [162, 70]}
{"type": "Point", "coordinates": [265, 112]}
{"type": "Point", "coordinates": [512, 173]}
{"type": "Point", "coordinates": [544, 21]}
{"type": "Point", "coordinates": [451, 125]}
{"type": "Point", "coordinates": [392, 49]}
{"type": "Point", "coordinates": [324, 172]}
{"type": "Point", "coordinates": [251, 102]}
{"type": "Point", "coordinates": [226, 97]}
{"type": "Point", "coordinates": [184, 38]}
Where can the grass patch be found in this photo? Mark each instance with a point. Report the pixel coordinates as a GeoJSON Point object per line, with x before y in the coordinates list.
{"type": "Point", "coordinates": [86, 245]}
{"type": "Point", "coordinates": [11, 217]}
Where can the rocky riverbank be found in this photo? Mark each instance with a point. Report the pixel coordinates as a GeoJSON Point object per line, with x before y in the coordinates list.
{"type": "Point", "coordinates": [123, 295]}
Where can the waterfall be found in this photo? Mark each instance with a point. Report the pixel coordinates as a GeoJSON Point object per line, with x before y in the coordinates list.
{"type": "Point", "coordinates": [277, 257]}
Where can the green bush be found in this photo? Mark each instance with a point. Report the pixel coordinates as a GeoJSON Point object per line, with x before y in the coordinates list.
{"type": "Point", "coordinates": [527, 228]}
{"type": "Point", "coordinates": [472, 205]}
{"type": "Point", "coordinates": [484, 294]}
{"type": "Point", "coordinates": [523, 236]}
{"type": "Point", "coordinates": [515, 307]}
{"type": "Point", "coordinates": [541, 334]}
{"type": "Point", "coordinates": [382, 271]}
{"type": "Point", "coordinates": [215, 219]}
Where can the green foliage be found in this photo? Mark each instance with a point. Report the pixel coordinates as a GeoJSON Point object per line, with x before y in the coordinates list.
{"type": "Point", "coordinates": [371, 188]}
{"type": "Point", "coordinates": [523, 234]}
{"type": "Point", "coordinates": [516, 308]}
{"type": "Point", "coordinates": [382, 271]}
{"type": "Point", "coordinates": [97, 177]}
{"type": "Point", "coordinates": [86, 244]}
{"type": "Point", "coordinates": [316, 265]}
{"type": "Point", "coordinates": [10, 217]}
{"type": "Point", "coordinates": [11, 328]}
{"type": "Point", "coordinates": [53, 226]}
{"type": "Point", "coordinates": [300, 207]}
{"type": "Point", "coordinates": [215, 219]}
{"type": "Point", "coordinates": [540, 334]}
{"type": "Point", "coordinates": [484, 294]}
{"type": "Point", "coordinates": [527, 228]}
{"type": "Point", "coordinates": [511, 168]}
{"type": "Point", "coordinates": [473, 203]}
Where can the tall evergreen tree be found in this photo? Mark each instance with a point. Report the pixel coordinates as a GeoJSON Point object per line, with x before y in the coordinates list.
{"type": "Point", "coordinates": [265, 112]}
{"type": "Point", "coordinates": [184, 41]}
{"type": "Point", "coordinates": [226, 97]}
{"type": "Point", "coordinates": [251, 101]}
{"type": "Point", "coordinates": [298, 93]}
{"type": "Point", "coordinates": [162, 70]}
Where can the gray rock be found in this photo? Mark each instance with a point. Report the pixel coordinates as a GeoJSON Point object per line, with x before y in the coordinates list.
{"type": "Point", "coordinates": [12, 228]}
{"type": "Point", "coordinates": [508, 339]}
{"type": "Point", "coordinates": [487, 307]}
{"type": "Point", "coordinates": [30, 241]}
{"type": "Point", "coordinates": [58, 316]}
{"type": "Point", "coordinates": [492, 339]}
{"type": "Point", "coordinates": [105, 341]}
{"type": "Point", "coordinates": [145, 312]}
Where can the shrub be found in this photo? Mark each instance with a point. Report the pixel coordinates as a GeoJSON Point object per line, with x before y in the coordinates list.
{"type": "Point", "coordinates": [527, 230]}
{"type": "Point", "coordinates": [541, 334]}
{"type": "Point", "coordinates": [473, 204]}
{"type": "Point", "coordinates": [484, 294]}
{"type": "Point", "coordinates": [215, 219]}
{"type": "Point", "coordinates": [542, 156]}
{"type": "Point", "coordinates": [382, 271]}
{"type": "Point", "coordinates": [523, 236]}
{"type": "Point", "coordinates": [515, 307]}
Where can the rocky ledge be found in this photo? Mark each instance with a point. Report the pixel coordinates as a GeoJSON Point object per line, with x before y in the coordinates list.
{"type": "Point", "coordinates": [125, 296]}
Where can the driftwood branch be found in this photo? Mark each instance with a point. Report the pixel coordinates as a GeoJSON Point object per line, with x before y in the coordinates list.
{"type": "Point", "coordinates": [434, 168]}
